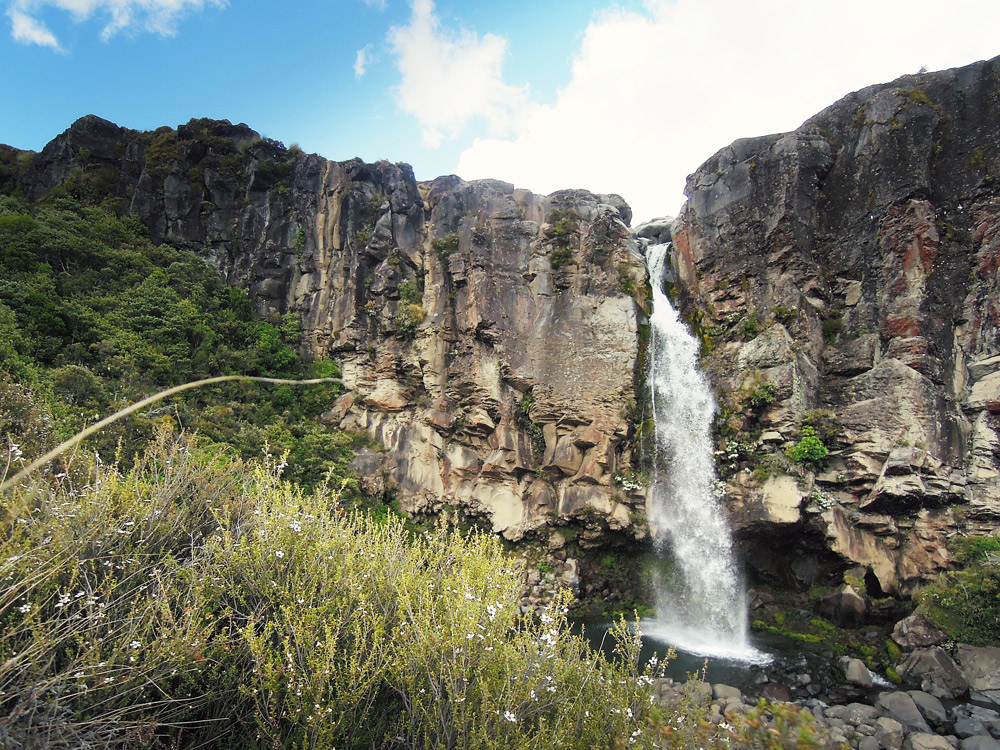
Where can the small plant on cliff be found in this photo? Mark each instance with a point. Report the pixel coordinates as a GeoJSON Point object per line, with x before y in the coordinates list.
{"type": "Point", "coordinates": [763, 395]}
{"type": "Point", "coordinates": [408, 319]}
{"type": "Point", "coordinates": [750, 327]}
{"type": "Point", "coordinates": [522, 418]}
{"type": "Point", "coordinates": [784, 314]}
{"type": "Point", "coordinates": [445, 246]}
{"type": "Point", "coordinates": [625, 281]}
{"type": "Point", "coordinates": [410, 292]}
{"type": "Point", "coordinates": [832, 326]}
{"type": "Point", "coordinates": [810, 450]}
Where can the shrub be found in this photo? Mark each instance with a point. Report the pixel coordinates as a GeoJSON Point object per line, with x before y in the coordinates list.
{"type": "Point", "coordinates": [408, 320]}
{"type": "Point", "coordinates": [764, 394]}
{"type": "Point", "coordinates": [750, 327]}
{"type": "Point", "coordinates": [195, 601]}
{"type": "Point", "coordinates": [410, 292]}
{"type": "Point", "coordinates": [625, 281]}
{"type": "Point", "coordinates": [445, 246]}
{"type": "Point", "coordinates": [965, 604]}
{"type": "Point", "coordinates": [560, 257]}
{"type": "Point", "coordinates": [809, 450]}
{"type": "Point", "coordinates": [824, 424]}
{"type": "Point", "coordinates": [832, 326]}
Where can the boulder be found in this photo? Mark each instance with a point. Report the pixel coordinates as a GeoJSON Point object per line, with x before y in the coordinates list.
{"type": "Point", "coordinates": [922, 741]}
{"type": "Point", "coordinates": [726, 691]}
{"type": "Point", "coordinates": [935, 672]}
{"type": "Point", "coordinates": [981, 667]}
{"type": "Point", "coordinates": [979, 742]}
{"type": "Point", "coordinates": [845, 607]}
{"type": "Point", "coordinates": [889, 733]}
{"type": "Point", "coordinates": [931, 708]}
{"type": "Point", "coordinates": [899, 706]}
{"type": "Point", "coordinates": [856, 672]}
{"type": "Point", "coordinates": [970, 720]}
{"type": "Point", "coordinates": [915, 632]}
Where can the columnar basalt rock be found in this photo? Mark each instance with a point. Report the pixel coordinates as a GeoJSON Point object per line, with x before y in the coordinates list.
{"type": "Point", "coordinates": [845, 276]}
{"type": "Point", "coordinates": [487, 336]}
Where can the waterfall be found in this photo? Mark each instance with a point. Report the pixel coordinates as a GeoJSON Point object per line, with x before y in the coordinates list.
{"type": "Point", "coordinates": [702, 609]}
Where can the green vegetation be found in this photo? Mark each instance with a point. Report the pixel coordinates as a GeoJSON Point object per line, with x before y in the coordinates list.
{"type": "Point", "coordinates": [750, 326]}
{"type": "Point", "coordinates": [194, 601]}
{"type": "Point", "coordinates": [94, 316]}
{"type": "Point", "coordinates": [625, 281]}
{"type": "Point", "coordinates": [523, 420]}
{"type": "Point", "coordinates": [784, 314]}
{"type": "Point", "coordinates": [445, 246]}
{"type": "Point", "coordinates": [408, 319]}
{"type": "Point", "coordinates": [704, 330]}
{"type": "Point", "coordinates": [810, 450]}
{"type": "Point", "coordinates": [565, 228]}
{"type": "Point", "coordinates": [763, 395]}
{"type": "Point", "coordinates": [560, 257]}
{"type": "Point", "coordinates": [966, 603]}
{"type": "Point", "coordinates": [917, 96]}
{"type": "Point", "coordinates": [410, 292]}
{"type": "Point", "coordinates": [823, 423]}
{"type": "Point", "coordinates": [833, 324]}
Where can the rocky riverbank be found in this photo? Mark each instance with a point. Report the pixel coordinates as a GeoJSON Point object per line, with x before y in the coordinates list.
{"type": "Point", "coordinates": [892, 720]}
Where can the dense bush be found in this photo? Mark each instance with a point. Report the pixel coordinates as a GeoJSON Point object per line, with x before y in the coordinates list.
{"type": "Point", "coordinates": [810, 450]}
{"type": "Point", "coordinates": [193, 600]}
{"type": "Point", "coordinates": [94, 316]}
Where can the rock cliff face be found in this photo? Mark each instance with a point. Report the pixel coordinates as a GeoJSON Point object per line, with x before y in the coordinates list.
{"type": "Point", "coordinates": [845, 277]}
{"type": "Point", "coordinates": [487, 336]}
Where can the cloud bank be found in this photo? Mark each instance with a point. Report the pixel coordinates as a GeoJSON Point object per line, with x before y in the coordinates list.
{"type": "Point", "coordinates": [156, 16]}
{"type": "Point", "coordinates": [655, 92]}
{"type": "Point", "coordinates": [450, 77]}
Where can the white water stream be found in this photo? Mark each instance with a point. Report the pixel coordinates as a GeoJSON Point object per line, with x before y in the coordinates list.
{"type": "Point", "coordinates": [702, 609]}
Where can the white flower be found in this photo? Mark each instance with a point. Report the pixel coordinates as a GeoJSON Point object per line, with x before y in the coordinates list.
{"type": "Point", "coordinates": [24, 608]}
{"type": "Point", "coordinates": [509, 716]}
{"type": "Point", "coordinates": [279, 553]}
{"type": "Point", "coordinates": [295, 526]}
{"type": "Point", "coordinates": [135, 644]}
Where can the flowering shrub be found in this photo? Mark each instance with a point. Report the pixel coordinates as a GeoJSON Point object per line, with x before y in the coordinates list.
{"type": "Point", "coordinates": [195, 600]}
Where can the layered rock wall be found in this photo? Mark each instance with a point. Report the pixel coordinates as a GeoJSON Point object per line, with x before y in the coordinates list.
{"type": "Point", "coordinates": [487, 336]}
{"type": "Point", "coordinates": [845, 276]}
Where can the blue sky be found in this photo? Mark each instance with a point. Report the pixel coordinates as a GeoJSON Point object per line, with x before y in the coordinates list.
{"type": "Point", "coordinates": [625, 97]}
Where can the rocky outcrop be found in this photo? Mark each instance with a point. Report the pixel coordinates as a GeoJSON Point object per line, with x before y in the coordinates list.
{"type": "Point", "coordinates": [845, 277]}
{"type": "Point", "coordinates": [487, 336]}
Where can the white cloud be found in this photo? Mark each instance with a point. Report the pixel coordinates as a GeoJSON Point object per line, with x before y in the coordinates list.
{"type": "Point", "coordinates": [451, 77]}
{"type": "Point", "coordinates": [377, 4]}
{"type": "Point", "coordinates": [28, 30]}
{"type": "Point", "coordinates": [361, 61]}
{"type": "Point", "coordinates": [656, 92]}
{"type": "Point", "coordinates": [157, 16]}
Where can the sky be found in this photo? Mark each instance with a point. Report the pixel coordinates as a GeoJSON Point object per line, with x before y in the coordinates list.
{"type": "Point", "coordinates": [627, 97]}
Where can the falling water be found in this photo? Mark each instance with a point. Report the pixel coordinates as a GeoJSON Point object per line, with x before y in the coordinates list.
{"type": "Point", "coordinates": [703, 608]}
